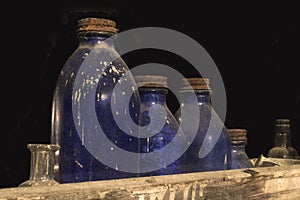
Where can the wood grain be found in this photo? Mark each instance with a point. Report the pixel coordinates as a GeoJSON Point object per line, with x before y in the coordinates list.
{"type": "Point", "coordinates": [276, 182]}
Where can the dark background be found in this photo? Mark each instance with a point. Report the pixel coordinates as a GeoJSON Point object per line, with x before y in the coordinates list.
{"type": "Point", "coordinates": [255, 46]}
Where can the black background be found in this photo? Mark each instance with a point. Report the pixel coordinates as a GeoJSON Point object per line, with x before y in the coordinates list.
{"type": "Point", "coordinates": [255, 46]}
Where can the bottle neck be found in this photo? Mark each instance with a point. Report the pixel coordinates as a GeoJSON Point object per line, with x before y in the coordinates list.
{"type": "Point", "coordinates": [42, 163]}
{"type": "Point", "coordinates": [284, 129]}
{"type": "Point", "coordinates": [152, 96]}
{"type": "Point", "coordinates": [282, 135]}
{"type": "Point", "coordinates": [281, 140]}
{"type": "Point", "coordinates": [238, 145]}
{"type": "Point", "coordinates": [95, 37]}
{"type": "Point", "coordinates": [203, 96]}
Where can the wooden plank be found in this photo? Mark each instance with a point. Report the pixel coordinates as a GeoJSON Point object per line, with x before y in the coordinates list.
{"type": "Point", "coordinates": [276, 182]}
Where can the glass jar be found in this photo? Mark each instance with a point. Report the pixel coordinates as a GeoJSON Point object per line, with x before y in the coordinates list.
{"type": "Point", "coordinates": [239, 157]}
{"type": "Point", "coordinates": [210, 150]}
{"type": "Point", "coordinates": [41, 165]}
{"type": "Point", "coordinates": [84, 107]}
{"type": "Point", "coordinates": [282, 147]}
{"type": "Point", "coordinates": [161, 126]}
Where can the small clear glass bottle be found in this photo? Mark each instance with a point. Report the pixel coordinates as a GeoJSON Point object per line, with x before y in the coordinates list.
{"type": "Point", "coordinates": [164, 127]}
{"type": "Point", "coordinates": [219, 155]}
{"type": "Point", "coordinates": [239, 157]}
{"type": "Point", "coordinates": [41, 165]}
{"type": "Point", "coordinates": [282, 147]}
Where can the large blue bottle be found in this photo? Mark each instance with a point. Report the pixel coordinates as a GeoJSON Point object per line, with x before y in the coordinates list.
{"type": "Point", "coordinates": [86, 104]}
{"type": "Point", "coordinates": [208, 151]}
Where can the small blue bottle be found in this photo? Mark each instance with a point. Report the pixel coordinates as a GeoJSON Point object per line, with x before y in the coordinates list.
{"type": "Point", "coordinates": [239, 156]}
{"type": "Point", "coordinates": [83, 121]}
{"type": "Point", "coordinates": [166, 140]}
{"type": "Point", "coordinates": [218, 155]}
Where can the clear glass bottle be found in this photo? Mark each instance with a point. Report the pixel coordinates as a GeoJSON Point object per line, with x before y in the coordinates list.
{"type": "Point", "coordinates": [82, 106]}
{"type": "Point", "coordinates": [239, 157]}
{"type": "Point", "coordinates": [41, 165]}
{"type": "Point", "coordinates": [282, 147]}
{"type": "Point", "coordinates": [219, 156]}
{"type": "Point", "coordinates": [164, 127]}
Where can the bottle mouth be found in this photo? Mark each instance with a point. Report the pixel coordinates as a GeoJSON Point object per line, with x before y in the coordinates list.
{"type": "Point", "coordinates": [148, 81]}
{"type": "Point", "coordinates": [237, 134]}
{"type": "Point", "coordinates": [199, 84]}
{"type": "Point", "coordinates": [43, 147]}
{"type": "Point", "coordinates": [282, 121]}
{"type": "Point", "coordinates": [204, 91]}
{"type": "Point", "coordinates": [96, 24]}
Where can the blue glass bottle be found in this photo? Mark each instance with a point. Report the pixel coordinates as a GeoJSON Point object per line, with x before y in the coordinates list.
{"type": "Point", "coordinates": [218, 155]}
{"type": "Point", "coordinates": [164, 128]}
{"type": "Point", "coordinates": [239, 157]}
{"type": "Point", "coordinates": [83, 119]}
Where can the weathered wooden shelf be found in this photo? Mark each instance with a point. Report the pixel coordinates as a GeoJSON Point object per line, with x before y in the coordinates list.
{"type": "Point", "coordinates": [276, 182]}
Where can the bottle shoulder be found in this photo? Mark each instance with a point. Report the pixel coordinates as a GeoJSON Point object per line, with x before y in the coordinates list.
{"type": "Point", "coordinates": [278, 152]}
{"type": "Point", "coordinates": [293, 152]}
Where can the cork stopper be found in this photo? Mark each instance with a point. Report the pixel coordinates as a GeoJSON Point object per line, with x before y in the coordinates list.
{"type": "Point", "coordinates": [96, 24]}
{"type": "Point", "coordinates": [196, 83]}
{"type": "Point", "coordinates": [237, 134]}
{"type": "Point", "coordinates": [151, 81]}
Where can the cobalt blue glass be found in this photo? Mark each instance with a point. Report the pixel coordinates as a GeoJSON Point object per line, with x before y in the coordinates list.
{"type": "Point", "coordinates": [239, 157]}
{"type": "Point", "coordinates": [216, 143]}
{"type": "Point", "coordinates": [82, 107]}
{"type": "Point", "coordinates": [164, 128]}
